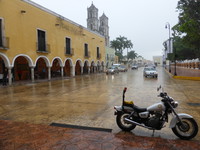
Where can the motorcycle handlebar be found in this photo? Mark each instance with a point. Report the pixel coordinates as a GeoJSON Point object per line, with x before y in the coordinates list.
{"type": "Point", "coordinates": [162, 94]}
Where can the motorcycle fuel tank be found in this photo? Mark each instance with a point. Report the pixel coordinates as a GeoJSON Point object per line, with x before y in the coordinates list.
{"type": "Point", "coordinates": [156, 107]}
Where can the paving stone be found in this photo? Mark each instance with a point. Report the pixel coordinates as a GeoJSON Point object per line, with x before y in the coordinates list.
{"type": "Point", "coordinates": [26, 136]}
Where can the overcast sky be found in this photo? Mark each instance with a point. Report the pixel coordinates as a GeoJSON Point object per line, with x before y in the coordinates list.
{"type": "Point", "coordinates": [141, 21]}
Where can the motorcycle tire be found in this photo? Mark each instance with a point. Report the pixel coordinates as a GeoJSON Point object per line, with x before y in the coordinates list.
{"type": "Point", "coordinates": [188, 131]}
{"type": "Point", "coordinates": [125, 126]}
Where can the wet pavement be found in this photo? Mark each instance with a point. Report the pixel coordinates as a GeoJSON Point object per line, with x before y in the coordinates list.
{"type": "Point", "coordinates": [26, 136]}
{"type": "Point", "coordinates": [27, 111]}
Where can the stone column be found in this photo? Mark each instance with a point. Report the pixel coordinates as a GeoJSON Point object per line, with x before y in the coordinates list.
{"type": "Point", "coordinates": [10, 76]}
{"type": "Point", "coordinates": [32, 74]}
{"type": "Point", "coordinates": [95, 68]}
{"type": "Point", "coordinates": [72, 70]}
{"type": "Point", "coordinates": [88, 69]}
{"type": "Point", "coordinates": [62, 73]}
{"type": "Point", "coordinates": [81, 70]}
{"type": "Point", "coordinates": [49, 73]}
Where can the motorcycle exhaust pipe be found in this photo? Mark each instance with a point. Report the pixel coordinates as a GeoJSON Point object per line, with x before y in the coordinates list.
{"type": "Point", "coordinates": [138, 124]}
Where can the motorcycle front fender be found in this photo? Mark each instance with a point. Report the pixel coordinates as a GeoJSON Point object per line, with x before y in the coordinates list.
{"type": "Point", "coordinates": [175, 119]}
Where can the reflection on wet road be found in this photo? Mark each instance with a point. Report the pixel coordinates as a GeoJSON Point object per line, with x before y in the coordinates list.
{"type": "Point", "coordinates": [89, 100]}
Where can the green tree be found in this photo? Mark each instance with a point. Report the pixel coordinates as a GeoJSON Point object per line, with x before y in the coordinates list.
{"type": "Point", "coordinates": [188, 27]}
{"type": "Point", "coordinates": [132, 55]}
{"type": "Point", "coordinates": [128, 44]}
{"type": "Point", "coordinates": [182, 50]}
{"type": "Point", "coordinates": [120, 44]}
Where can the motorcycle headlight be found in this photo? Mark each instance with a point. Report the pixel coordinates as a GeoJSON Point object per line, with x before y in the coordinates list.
{"type": "Point", "coordinates": [175, 104]}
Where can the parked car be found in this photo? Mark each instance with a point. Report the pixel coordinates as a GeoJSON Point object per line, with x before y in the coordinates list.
{"type": "Point", "coordinates": [134, 67]}
{"type": "Point", "coordinates": [150, 71]}
{"type": "Point", "coordinates": [123, 68]}
{"type": "Point", "coordinates": [112, 70]}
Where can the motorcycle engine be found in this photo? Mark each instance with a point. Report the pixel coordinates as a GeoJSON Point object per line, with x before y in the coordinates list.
{"type": "Point", "coordinates": [154, 121]}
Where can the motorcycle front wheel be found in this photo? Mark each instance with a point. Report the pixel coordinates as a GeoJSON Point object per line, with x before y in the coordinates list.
{"type": "Point", "coordinates": [187, 130]}
{"type": "Point", "coordinates": [124, 125]}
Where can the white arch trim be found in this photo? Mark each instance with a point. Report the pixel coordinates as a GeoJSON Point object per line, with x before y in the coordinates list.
{"type": "Point", "coordinates": [59, 60]}
{"type": "Point", "coordinates": [98, 63]}
{"type": "Point", "coordinates": [48, 64]}
{"type": "Point", "coordinates": [70, 61]}
{"type": "Point", "coordinates": [93, 63]}
{"type": "Point", "coordinates": [30, 62]}
{"type": "Point", "coordinates": [6, 60]}
{"type": "Point", "coordinates": [81, 63]}
{"type": "Point", "coordinates": [102, 63]}
{"type": "Point", "coordinates": [87, 62]}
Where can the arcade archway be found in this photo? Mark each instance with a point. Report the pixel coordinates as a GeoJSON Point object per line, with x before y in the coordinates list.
{"type": "Point", "coordinates": [86, 67]}
{"type": "Point", "coordinates": [78, 68]}
{"type": "Point", "coordinates": [21, 69]}
{"type": "Point", "coordinates": [55, 69]}
{"type": "Point", "coordinates": [67, 68]}
{"type": "Point", "coordinates": [41, 69]}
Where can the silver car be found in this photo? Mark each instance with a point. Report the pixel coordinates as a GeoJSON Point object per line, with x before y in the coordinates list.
{"type": "Point", "coordinates": [150, 71]}
{"type": "Point", "coordinates": [112, 70]}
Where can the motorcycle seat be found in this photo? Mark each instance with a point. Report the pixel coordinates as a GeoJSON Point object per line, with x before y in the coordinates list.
{"type": "Point", "coordinates": [139, 109]}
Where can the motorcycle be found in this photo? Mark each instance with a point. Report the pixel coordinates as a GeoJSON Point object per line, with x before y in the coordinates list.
{"type": "Point", "coordinates": [154, 117]}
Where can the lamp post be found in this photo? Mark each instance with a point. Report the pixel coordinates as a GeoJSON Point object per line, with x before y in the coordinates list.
{"type": "Point", "coordinates": [167, 26]}
{"type": "Point", "coordinates": [175, 74]}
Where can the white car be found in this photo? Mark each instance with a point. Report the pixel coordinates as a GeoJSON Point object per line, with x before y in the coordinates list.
{"type": "Point", "coordinates": [123, 68]}
{"type": "Point", "coordinates": [112, 70]}
{"type": "Point", "coordinates": [150, 71]}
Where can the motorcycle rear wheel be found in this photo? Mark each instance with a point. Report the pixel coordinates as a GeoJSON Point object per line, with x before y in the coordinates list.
{"type": "Point", "coordinates": [124, 125]}
{"type": "Point", "coordinates": [188, 130]}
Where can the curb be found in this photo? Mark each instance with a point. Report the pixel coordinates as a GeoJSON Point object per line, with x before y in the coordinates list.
{"type": "Point", "coordinates": [183, 77]}
{"type": "Point", "coordinates": [186, 78]}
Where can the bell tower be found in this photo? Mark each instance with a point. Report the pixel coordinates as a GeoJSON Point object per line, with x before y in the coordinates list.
{"type": "Point", "coordinates": [104, 28]}
{"type": "Point", "coordinates": [92, 20]}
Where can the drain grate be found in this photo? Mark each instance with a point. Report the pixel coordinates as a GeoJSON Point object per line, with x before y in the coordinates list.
{"type": "Point", "coordinates": [194, 104]}
{"type": "Point", "coordinates": [80, 127]}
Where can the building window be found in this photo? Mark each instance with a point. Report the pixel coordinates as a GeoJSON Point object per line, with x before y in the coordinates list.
{"type": "Point", "coordinates": [98, 52]}
{"type": "Point", "coordinates": [1, 33]}
{"type": "Point", "coordinates": [68, 45]}
{"type": "Point", "coordinates": [41, 41]}
{"type": "Point", "coordinates": [86, 50]}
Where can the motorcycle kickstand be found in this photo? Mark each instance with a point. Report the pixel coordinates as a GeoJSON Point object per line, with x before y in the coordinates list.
{"type": "Point", "coordinates": [153, 133]}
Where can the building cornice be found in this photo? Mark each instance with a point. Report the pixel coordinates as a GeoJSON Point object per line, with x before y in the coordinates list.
{"type": "Point", "coordinates": [58, 15]}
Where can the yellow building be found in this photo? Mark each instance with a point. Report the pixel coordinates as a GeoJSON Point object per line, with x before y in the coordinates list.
{"type": "Point", "coordinates": [37, 43]}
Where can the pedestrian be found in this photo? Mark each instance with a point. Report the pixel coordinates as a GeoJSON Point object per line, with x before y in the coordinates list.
{"type": "Point", "coordinates": [5, 75]}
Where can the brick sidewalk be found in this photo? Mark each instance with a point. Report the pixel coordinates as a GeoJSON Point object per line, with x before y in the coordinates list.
{"type": "Point", "coordinates": [26, 136]}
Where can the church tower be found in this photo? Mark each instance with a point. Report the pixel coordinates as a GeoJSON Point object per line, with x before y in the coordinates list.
{"type": "Point", "coordinates": [104, 28]}
{"type": "Point", "coordinates": [92, 20]}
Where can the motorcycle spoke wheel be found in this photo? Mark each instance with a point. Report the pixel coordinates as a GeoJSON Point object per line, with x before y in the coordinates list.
{"type": "Point", "coordinates": [187, 130]}
{"type": "Point", "coordinates": [123, 124]}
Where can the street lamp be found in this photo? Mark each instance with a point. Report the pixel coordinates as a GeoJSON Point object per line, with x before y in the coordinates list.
{"type": "Point", "coordinates": [167, 26]}
{"type": "Point", "coordinates": [175, 62]}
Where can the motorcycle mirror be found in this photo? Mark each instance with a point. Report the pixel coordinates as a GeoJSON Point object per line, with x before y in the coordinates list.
{"type": "Point", "coordinates": [158, 88]}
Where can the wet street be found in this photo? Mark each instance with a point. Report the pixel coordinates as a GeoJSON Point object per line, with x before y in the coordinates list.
{"type": "Point", "coordinates": [88, 100]}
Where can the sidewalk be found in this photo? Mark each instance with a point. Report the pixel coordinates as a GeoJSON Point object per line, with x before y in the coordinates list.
{"type": "Point", "coordinates": [185, 73]}
{"type": "Point", "coordinates": [26, 136]}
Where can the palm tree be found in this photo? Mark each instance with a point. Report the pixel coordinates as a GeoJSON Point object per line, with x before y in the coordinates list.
{"type": "Point", "coordinates": [128, 44]}
{"type": "Point", "coordinates": [132, 54]}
